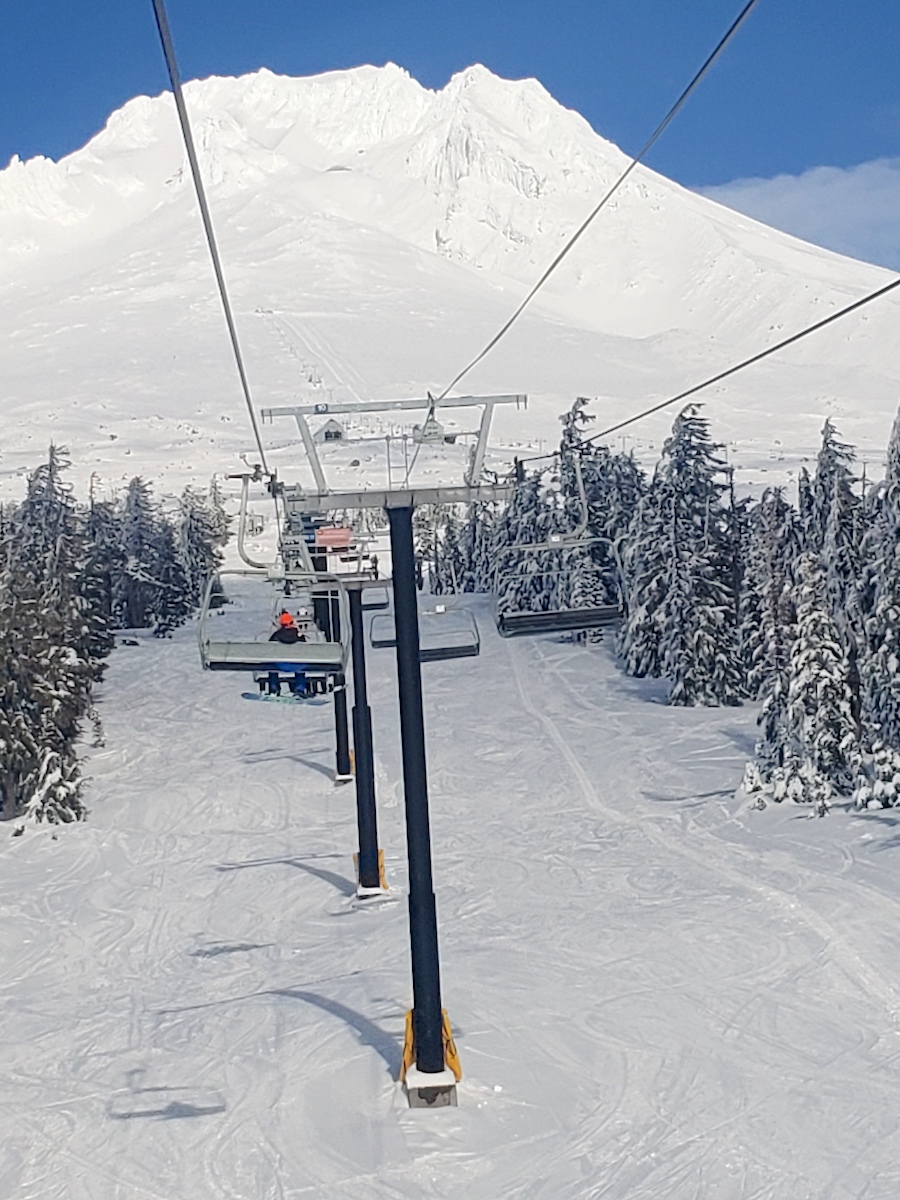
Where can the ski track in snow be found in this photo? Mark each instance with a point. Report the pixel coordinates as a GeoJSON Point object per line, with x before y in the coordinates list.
{"type": "Point", "coordinates": [655, 993]}
{"type": "Point", "coordinates": [857, 970]}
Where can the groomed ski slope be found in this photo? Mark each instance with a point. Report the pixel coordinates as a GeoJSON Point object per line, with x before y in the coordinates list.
{"type": "Point", "coordinates": [656, 991]}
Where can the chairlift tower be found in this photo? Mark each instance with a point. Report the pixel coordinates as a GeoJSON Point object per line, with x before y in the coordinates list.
{"type": "Point", "coordinates": [430, 1068]}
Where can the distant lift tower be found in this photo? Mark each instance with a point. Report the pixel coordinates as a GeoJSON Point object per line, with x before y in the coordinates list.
{"type": "Point", "coordinates": [430, 1068]}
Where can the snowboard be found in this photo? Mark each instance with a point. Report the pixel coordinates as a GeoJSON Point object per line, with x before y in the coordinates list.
{"type": "Point", "coordinates": [286, 698]}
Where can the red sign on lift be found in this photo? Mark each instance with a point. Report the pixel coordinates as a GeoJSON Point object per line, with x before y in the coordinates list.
{"type": "Point", "coordinates": [333, 537]}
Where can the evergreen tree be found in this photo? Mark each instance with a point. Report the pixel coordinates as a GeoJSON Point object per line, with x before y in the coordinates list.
{"type": "Point", "coordinates": [478, 542]}
{"type": "Point", "coordinates": [587, 589]}
{"type": "Point", "coordinates": [767, 630]}
{"type": "Point", "coordinates": [172, 602]}
{"type": "Point", "coordinates": [878, 783]}
{"type": "Point", "coordinates": [882, 523]}
{"type": "Point", "coordinates": [822, 759]}
{"type": "Point", "coordinates": [450, 569]}
{"type": "Point", "coordinates": [524, 576]}
{"type": "Point", "coordinates": [811, 537]}
{"type": "Point", "coordinates": [679, 579]}
{"type": "Point", "coordinates": [613, 485]}
{"type": "Point", "coordinates": [427, 518]}
{"type": "Point", "coordinates": [140, 529]}
{"type": "Point", "coordinates": [767, 612]}
{"type": "Point", "coordinates": [63, 572]}
{"type": "Point", "coordinates": [202, 532]}
{"type": "Point", "coordinates": [44, 693]}
{"type": "Point", "coordinates": [56, 788]}
{"type": "Point", "coordinates": [645, 568]}
{"type": "Point", "coordinates": [102, 569]}
{"type": "Point", "coordinates": [881, 666]}
{"type": "Point", "coordinates": [20, 748]}
{"type": "Point", "coordinates": [820, 701]}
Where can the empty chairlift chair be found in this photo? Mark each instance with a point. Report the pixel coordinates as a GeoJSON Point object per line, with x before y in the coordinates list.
{"type": "Point", "coordinates": [558, 586]}
{"type": "Point", "coordinates": [532, 598]}
{"type": "Point", "coordinates": [544, 609]}
{"type": "Point", "coordinates": [444, 633]}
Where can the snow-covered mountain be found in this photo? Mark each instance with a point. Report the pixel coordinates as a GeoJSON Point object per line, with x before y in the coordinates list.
{"type": "Point", "coordinates": [374, 235]}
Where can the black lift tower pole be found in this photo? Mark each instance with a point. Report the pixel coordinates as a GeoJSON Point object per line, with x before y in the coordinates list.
{"type": "Point", "coordinates": [426, 980]}
{"type": "Point", "coordinates": [366, 815]}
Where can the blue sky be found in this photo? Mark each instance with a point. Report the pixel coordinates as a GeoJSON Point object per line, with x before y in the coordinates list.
{"type": "Point", "coordinates": [805, 85]}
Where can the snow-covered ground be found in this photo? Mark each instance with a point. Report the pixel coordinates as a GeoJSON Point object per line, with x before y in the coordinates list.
{"type": "Point", "coordinates": [656, 991]}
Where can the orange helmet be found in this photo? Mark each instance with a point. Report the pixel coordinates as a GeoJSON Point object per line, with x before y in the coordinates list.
{"type": "Point", "coordinates": [286, 619]}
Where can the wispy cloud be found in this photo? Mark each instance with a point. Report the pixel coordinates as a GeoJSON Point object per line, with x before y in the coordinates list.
{"type": "Point", "coordinates": [854, 210]}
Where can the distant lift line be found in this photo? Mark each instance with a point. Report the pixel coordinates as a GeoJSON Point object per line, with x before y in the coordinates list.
{"type": "Point", "coordinates": [666, 121]}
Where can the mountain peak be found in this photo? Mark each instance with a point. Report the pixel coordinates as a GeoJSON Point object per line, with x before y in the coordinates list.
{"type": "Point", "coordinates": [355, 206]}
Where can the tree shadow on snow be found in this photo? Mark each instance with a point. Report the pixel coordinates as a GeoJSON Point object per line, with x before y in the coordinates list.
{"type": "Point", "coordinates": [646, 688]}
{"type": "Point", "coordinates": [743, 740]}
{"type": "Point", "coordinates": [884, 818]}
{"type": "Point", "coordinates": [697, 797]}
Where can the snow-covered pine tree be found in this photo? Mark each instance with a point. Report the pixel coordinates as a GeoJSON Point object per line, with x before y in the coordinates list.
{"type": "Point", "coordinates": [154, 590]}
{"type": "Point", "coordinates": [767, 629]}
{"type": "Point", "coordinates": [478, 542]}
{"type": "Point", "coordinates": [682, 610]}
{"type": "Point", "coordinates": [615, 485]}
{"type": "Point", "coordinates": [202, 532]}
{"type": "Point", "coordinates": [834, 473]}
{"type": "Point", "coordinates": [426, 520]}
{"type": "Point", "coordinates": [811, 537]}
{"type": "Point", "coordinates": [102, 565]}
{"type": "Point", "coordinates": [44, 693]}
{"type": "Point", "coordinates": [56, 789]}
{"type": "Point", "coordinates": [46, 550]}
{"type": "Point", "coordinates": [767, 614]}
{"type": "Point", "coordinates": [842, 559]}
{"type": "Point", "coordinates": [450, 561]}
{"type": "Point", "coordinates": [881, 666]}
{"type": "Point", "coordinates": [823, 756]}
{"type": "Point", "coordinates": [878, 783]}
{"type": "Point", "coordinates": [46, 544]}
{"type": "Point", "coordinates": [645, 568]}
{"type": "Point", "coordinates": [594, 491]}
{"type": "Point", "coordinates": [521, 574]}
{"type": "Point", "coordinates": [838, 529]}
{"type": "Point", "coordinates": [172, 601]}
{"type": "Point", "coordinates": [220, 519]}
{"type": "Point", "coordinates": [574, 423]}
{"type": "Point", "coordinates": [697, 649]}
{"type": "Point", "coordinates": [140, 526]}
{"type": "Point", "coordinates": [20, 749]}
{"type": "Point", "coordinates": [586, 589]}
{"type": "Point", "coordinates": [882, 522]}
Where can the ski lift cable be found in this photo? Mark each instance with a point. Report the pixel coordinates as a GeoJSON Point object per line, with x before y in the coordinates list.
{"type": "Point", "coordinates": [168, 49]}
{"type": "Point", "coordinates": [726, 374]}
{"type": "Point", "coordinates": [747, 362]}
{"type": "Point", "coordinates": [666, 121]}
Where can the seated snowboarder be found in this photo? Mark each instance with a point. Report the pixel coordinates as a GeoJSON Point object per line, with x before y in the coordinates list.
{"type": "Point", "coordinates": [288, 634]}
{"type": "Point", "coordinates": [287, 631]}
